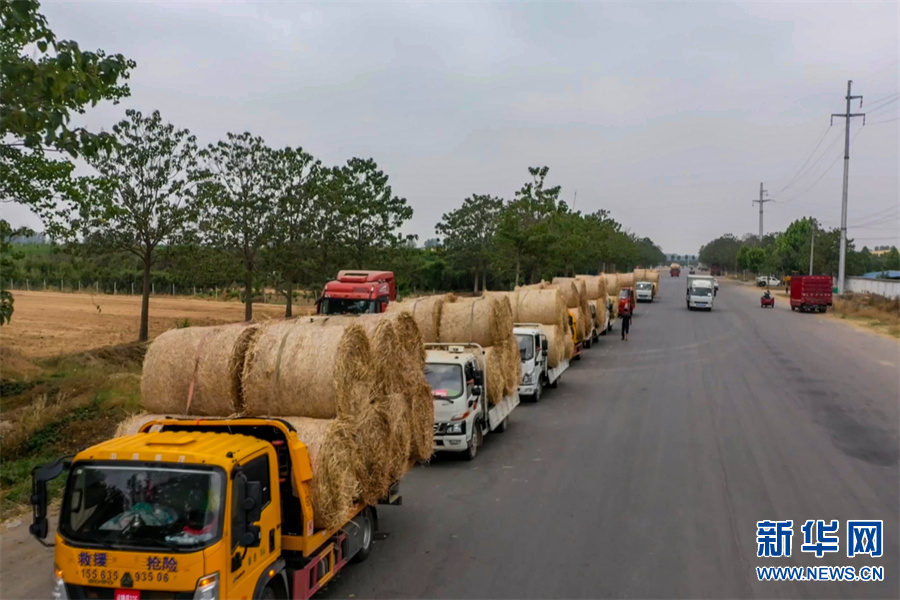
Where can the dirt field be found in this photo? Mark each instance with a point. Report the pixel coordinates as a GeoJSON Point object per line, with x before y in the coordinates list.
{"type": "Point", "coordinates": [53, 323]}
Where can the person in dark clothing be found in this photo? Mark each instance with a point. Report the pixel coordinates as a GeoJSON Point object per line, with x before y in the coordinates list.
{"type": "Point", "coordinates": [626, 322]}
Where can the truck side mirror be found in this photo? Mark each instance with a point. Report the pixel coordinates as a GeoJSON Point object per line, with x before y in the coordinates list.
{"type": "Point", "coordinates": [544, 345]}
{"type": "Point", "coordinates": [476, 390]}
{"type": "Point", "coordinates": [478, 377]}
{"type": "Point", "coordinates": [40, 477]}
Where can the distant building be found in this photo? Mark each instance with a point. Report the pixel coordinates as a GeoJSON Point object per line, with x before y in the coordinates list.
{"type": "Point", "coordinates": [882, 275]}
{"type": "Point", "coordinates": [36, 238]}
{"type": "Point", "coordinates": [881, 250]}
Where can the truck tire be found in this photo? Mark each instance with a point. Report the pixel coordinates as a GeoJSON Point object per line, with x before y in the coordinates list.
{"type": "Point", "coordinates": [537, 393]}
{"type": "Point", "coordinates": [554, 384]}
{"type": "Point", "coordinates": [503, 426]}
{"type": "Point", "coordinates": [368, 534]}
{"type": "Point", "coordinates": [472, 449]}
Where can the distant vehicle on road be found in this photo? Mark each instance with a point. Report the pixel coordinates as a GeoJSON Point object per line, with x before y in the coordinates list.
{"type": "Point", "coordinates": [811, 293]}
{"type": "Point", "coordinates": [767, 281]}
{"type": "Point", "coordinates": [700, 294]}
{"type": "Point", "coordinates": [644, 291]}
{"type": "Point", "coordinates": [675, 270]}
{"type": "Point", "coordinates": [715, 270]}
{"type": "Point", "coordinates": [767, 300]}
{"type": "Point", "coordinates": [691, 271]}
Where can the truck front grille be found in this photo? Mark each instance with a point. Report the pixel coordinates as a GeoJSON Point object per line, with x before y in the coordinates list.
{"type": "Point", "coordinates": [87, 592]}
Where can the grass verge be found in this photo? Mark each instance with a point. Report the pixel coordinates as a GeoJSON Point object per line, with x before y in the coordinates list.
{"type": "Point", "coordinates": [57, 406]}
{"type": "Point", "coordinates": [870, 310]}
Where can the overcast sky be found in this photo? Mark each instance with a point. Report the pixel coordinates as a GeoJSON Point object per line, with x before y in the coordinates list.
{"type": "Point", "coordinates": [667, 114]}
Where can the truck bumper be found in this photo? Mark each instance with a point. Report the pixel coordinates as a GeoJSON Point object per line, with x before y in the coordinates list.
{"type": "Point", "coordinates": [527, 390]}
{"type": "Point", "coordinates": [450, 443]}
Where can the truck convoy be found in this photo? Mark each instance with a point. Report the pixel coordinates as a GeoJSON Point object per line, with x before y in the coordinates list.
{"type": "Point", "coordinates": [358, 292]}
{"type": "Point", "coordinates": [700, 293]}
{"type": "Point", "coordinates": [535, 370]}
{"type": "Point", "coordinates": [196, 508]}
{"type": "Point", "coordinates": [463, 414]}
{"type": "Point", "coordinates": [811, 293]}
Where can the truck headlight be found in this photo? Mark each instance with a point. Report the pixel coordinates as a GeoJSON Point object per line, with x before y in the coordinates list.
{"type": "Point", "coordinates": [527, 379]}
{"type": "Point", "coordinates": [59, 587]}
{"type": "Point", "coordinates": [456, 428]}
{"type": "Point", "coordinates": [207, 588]}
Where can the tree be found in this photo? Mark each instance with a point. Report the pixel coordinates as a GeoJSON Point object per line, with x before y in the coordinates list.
{"type": "Point", "coordinates": [7, 256]}
{"type": "Point", "coordinates": [294, 236]}
{"type": "Point", "coordinates": [722, 252]}
{"type": "Point", "coordinates": [523, 230]}
{"type": "Point", "coordinates": [468, 233]}
{"type": "Point", "coordinates": [239, 195]}
{"type": "Point", "coordinates": [751, 258]}
{"type": "Point", "coordinates": [372, 213]}
{"type": "Point", "coordinates": [140, 199]}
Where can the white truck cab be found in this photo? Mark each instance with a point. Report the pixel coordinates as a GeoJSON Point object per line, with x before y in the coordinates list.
{"type": "Point", "coordinates": [701, 294]}
{"type": "Point", "coordinates": [644, 291]}
{"type": "Point", "coordinates": [462, 413]}
{"type": "Point", "coordinates": [536, 373]}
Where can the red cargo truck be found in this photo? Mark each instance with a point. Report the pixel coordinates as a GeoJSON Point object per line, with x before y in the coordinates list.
{"type": "Point", "coordinates": [811, 293]}
{"type": "Point", "coordinates": [358, 292]}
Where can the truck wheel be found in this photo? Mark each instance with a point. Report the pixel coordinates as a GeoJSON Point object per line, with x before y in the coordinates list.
{"type": "Point", "coordinates": [367, 522]}
{"type": "Point", "coordinates": [537, 393]}
{"type": "Point", "coordinates": [472, 450]}
{"type": "Point", "coordinates": [503, 426]}
{"type": "Point", "coordinates": [554, 384]}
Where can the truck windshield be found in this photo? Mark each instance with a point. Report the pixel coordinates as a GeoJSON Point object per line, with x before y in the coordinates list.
{"type": "Point", "coordinates": [703, 291]}
{"type": "Point", "coordinates": [644, 285]}
{"type": "Point", "coordinates": [141, 507]}
{"type": "Point", "coordinates": [345, 306]}
{"type": "Point", "coordinates": [624, 294]}
{"type": "Point", "coordinates": [446, 381]}
{"type": "Point", "coordinates": [526, 346]}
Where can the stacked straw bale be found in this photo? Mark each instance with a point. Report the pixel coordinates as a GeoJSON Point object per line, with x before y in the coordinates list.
{"type": "Point", "coordinates": [487, 321]}
{"type": "Point", "coordinates": [426, 311]}
{"type": "Point", "coordinates": [196, 370]}
{"type": "Point", "coordinates": [575, 295]}
{"type": "Point", "coordinates": [612, 284]}
{"type": "Point", "coordinates": [626, 280]}
{"type": "Point", "coordinates": [595, 286]}
{"type": "Point", "coordinates": [544, 304]}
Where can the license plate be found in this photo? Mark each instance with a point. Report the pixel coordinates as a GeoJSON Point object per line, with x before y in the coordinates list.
{"type": "Point", "coordinates": [127, 595]}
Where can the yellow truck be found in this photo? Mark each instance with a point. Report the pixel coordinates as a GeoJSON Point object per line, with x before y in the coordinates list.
{"type": "Point", "coordinates": [198, 509]}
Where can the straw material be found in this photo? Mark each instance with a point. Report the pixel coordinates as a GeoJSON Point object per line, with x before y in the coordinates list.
{"type": "Point", "coordinates": [612, 284]}
{"type": "Point", "coordinates": [131, 425]}
{"type": "Point", "coordinates": [595, 285]}
{"type": "Point", "coordinates": [653, 275]}
{"type": "Point", "coordinates": [513, 366]}
{"type": "Point", "coordinates": [581, 298]}
{"type": "Point", "coordinates": [485, 321]}
{"type": "Point", "coordinates": [427, 313]}
{"type": "Point", "coordinates": [492, 363]}
{"type": "Point", "coordinates": [210, 358]}
{"type": "Point", "coordinates": [640, 275]}
{"type": "Point", "coordinates": [569, 291]}
{"type": "Point", "coordinates": [304, 370]}
{"type": "Point", "coordinates": [422, 418]}
{"type": "Point", "coordinates": [626, 280]}
{"type": "Point", "coordinates": [400, 436]}
{"type": "Point", "coordinates": [335, 460]}
{"type": "Point", "coordinates": [545, 306]}
{"type": "Point", "coordinates": [555, 345]}
{"type": "Point", "coordinates": [568, 345]}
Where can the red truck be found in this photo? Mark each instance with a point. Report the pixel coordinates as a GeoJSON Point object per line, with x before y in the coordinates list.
{"type": "Point", "coordinates": [811, 293]}
{"type": "Point", "coordinates": [627, 298]}
{"type": "Point", "coordinates": [675, 271]}
{"type": "Point", "coordinates": [357, 292]}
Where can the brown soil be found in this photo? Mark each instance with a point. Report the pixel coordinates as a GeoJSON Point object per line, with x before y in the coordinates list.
{"type": "Point", "coordinates": [53, 323]}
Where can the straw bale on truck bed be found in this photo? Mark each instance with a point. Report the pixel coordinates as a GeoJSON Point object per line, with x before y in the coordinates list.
{"type": "Point", "coordinates": [196, 370]}
{"type": "Point", "coordinates": [302, 370]}
{"type": "Point", "coordinates": [612, 284]}
{"type": "Point", "coordinates": [595, 286]}
{"type": "Point", "coordinates": [626, 280]}
{"type": "Point", "coordinates": [426, 311]}
{"type": "Point", "coordinates": [486, 321]}
{"type": "Point", "coordinates": [575, 294]}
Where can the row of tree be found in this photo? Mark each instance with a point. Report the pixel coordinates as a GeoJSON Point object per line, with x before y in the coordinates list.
{"type": "Point", "coordinates": [239, 208]}
{"type": "Point", "coordinates": [789, 252]}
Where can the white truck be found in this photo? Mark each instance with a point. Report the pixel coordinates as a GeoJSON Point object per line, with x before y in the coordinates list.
{"type": "Point", "coordinates": [700, 293]}
{"type": "Point", "coordinates": [462, 413]}
{"type": "Point", "coordinates": [644, 291]}
{"type": "Point", "coordinates": [536, 374]}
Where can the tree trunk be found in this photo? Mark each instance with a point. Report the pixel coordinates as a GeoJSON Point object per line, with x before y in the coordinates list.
{"type": "Point", "coordinates": [484, 278]}
{"type": "Point", "coordinates": [475, 288]}
{"type": "Point", "coordinates": [144, 333]}
{"type": "Point", "coordinates": [518, 269]}
{"type": "Point", "coordinates": [288, 310]}
{"type": "Point", "coordinates": [248, 294]}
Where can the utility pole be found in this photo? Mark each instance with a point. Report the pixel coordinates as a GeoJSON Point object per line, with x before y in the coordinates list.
{"type": "Point", "coordinates": [847, 116]}
{"type": "Point", "coordinates": [812, 250]}
{"type": "Point", "coordinates": [762, 200]}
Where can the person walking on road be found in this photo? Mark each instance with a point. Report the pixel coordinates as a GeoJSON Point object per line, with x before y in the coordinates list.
{"type": "Point", "coordinates": [626, 322]}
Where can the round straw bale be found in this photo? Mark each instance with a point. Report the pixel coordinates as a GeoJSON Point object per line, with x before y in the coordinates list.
{"type": "Point", "coordinates": [495, 380]}
{"type": "Point", "coordinates": [400, 435]}
{"type": "Point", "coordinates": [513, 366]}
{"type": "Point", "coordinates": [626, 280]}
{"type": "Point", "coordinates": [568, 345]}
{"type": "Point", "coordinates": [427, 313]}
{"type": "Point", "coordinates": [335, 460]}
{"type": "Point", "coordinates": [545, 306]}
{"type": "Point", "coordinates": [301, 369]}
{"type": "Point", "coordinates": [372, 432]}
{"type": "Point", "coordinates": [196, 370]}
{"type": "Point", "coordinates": [595, 285]}
{"type": "Point", "coordinates": [569, 291]}
{"type": "Point", "coordinates": [485, 321]}
{"type": "Point", "coordinates": [612, 284]}
{"type": "Point", "coordinates": [653, 275]}
{"type": "Point", "coordinates": [422, 421]}
{"type": "Point", "coordinates": [640, 275]}
{"type": "Point", "coordinates": [555, 345]}
{"type": "Point", "coordinates": [615, 306]}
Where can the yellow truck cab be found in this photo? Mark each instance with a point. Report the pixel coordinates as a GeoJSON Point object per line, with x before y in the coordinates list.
{"type": "Point", "coordinates": [195, 509]}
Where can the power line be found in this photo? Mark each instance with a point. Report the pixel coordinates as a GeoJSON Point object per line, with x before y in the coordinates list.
{"type": "Point", "coordinates": [885, 121]}
{"type": "Point", "coordinates": [819, 143]}
{"type": "Point", "coordinates": [883, 105]}
{"type": "Point", "coordinates": [819, 178]}
{"type": "Point", "coordinates": [881, 212]}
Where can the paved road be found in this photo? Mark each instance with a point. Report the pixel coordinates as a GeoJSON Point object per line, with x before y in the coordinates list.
{"type": "Point", "coordinates": [644, 474]}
